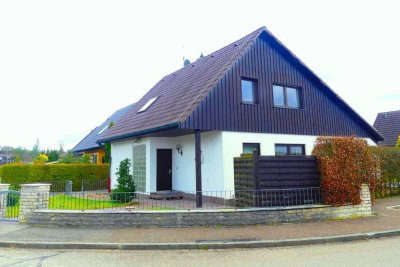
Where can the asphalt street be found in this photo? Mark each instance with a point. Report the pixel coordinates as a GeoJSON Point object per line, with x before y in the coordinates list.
{"type": "Point", "coordinates": [381, 252]}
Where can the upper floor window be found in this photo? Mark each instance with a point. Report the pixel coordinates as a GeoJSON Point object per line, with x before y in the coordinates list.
{"type": "Point", "coordinates": [248, 148]}
{"type": "Point", "coordinates": [249, 91]}
{"type": "Point", "coordinates": [285, 96]}
{"type": "Point", "coordinates": [289, 150]}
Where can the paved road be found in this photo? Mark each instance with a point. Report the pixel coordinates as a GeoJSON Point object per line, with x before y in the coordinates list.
{"type": "Point", "coordinates": [383, 252]}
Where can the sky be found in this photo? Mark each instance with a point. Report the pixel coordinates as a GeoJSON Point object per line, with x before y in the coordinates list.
{"type": "Point", "coordinates": [66, 66]}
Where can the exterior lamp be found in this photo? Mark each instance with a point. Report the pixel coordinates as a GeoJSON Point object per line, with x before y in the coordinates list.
{"type": "Point", "coordinates": [179, 149]}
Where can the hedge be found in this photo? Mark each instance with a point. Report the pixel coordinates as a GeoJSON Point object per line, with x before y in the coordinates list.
{"type": "Point", "coordinates": [388, 182]}
{"type": "Point", "coordinates": [345, 163]}
{"type": "Point", "coordinates": [32, 173]}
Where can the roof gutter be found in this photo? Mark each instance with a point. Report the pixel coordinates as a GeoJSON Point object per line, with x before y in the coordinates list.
{"type": "Point", "coordinates": [138, 133]}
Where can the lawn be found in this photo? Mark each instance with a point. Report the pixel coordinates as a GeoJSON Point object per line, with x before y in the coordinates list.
{"type": "Point", "coordinates": [65, 202]}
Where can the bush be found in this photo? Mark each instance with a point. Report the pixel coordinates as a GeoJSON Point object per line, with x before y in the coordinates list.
{"type": "Point", "coordinates": [125, 183]}
{"type": "Point", "coordinates": [12, 199]}
{"type": "Point", "coordinates": [345, 163]}
{"type": "Point", "coordinates": [32, 173]}
{"type": "Point", "coordinates": [122, 196]}
{"type": "Point", "coordinates": [388, 182]}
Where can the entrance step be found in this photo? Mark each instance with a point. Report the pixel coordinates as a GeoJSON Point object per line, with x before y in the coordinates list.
{"type": "Point", "coordinates": [167, 195]}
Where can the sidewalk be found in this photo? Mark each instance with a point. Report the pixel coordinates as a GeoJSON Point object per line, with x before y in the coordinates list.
{"type": "Point", "coordinates": [385, 220]}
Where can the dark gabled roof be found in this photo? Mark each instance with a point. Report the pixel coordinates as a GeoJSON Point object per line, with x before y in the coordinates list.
{"type": "Point", "coordinates": [89, 142]}
{"type": "Point", "coordinates": [180, 92]}
{"type": "Point", "coordinates": [388, 125]}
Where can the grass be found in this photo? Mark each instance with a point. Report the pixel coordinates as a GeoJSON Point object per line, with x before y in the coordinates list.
{"type": "Point", "coordinates": [66, 202]}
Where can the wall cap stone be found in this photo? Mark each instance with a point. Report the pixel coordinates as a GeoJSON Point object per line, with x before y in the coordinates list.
{"type": "Point", "coordinates": [33, 185]}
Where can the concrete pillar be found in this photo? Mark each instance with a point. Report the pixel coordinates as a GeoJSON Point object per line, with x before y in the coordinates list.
{"type": "Point", "coordinates": [3, 200]}
{"type": "Point", "coordinates": [33, 197]}
{"type": "Point", "coordinates": [365, 194]}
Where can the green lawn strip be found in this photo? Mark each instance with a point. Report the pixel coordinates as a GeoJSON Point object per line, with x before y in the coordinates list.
{"type": "Point", "coordinates": [77, 203]}
{"type": "Point", "coordinates": [12, 212]}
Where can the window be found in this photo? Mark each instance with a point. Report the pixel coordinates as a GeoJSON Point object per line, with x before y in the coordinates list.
{"type": "Point", "coordinates": [102, 130]}
{"type": "Point", "coordinates": [148, 104]}
{"type": "Point", "coordinates": [285, 96]}
{"type": "Point", "coordinates": [289, 150]}
{"type": "Point", "coordinates": [94, 158]}
{"type": "Point", "coordinates": [249, 91]}
{"type": "Point", "coordinates": [249, 147]}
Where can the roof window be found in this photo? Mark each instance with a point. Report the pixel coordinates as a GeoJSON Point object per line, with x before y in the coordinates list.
{"type": "Point", "coordinates": [148, 104]}
{"type": "Point", "coordinates": [102, 130]}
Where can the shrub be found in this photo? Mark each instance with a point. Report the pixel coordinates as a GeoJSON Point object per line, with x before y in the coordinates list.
{"type": "Point", "coordinates": [388, 182]}
{"type": "Point", "coordinates": [345, 163]}
{"type": "Point", "coordinates": [12, 199]}
{"type": "Point", "coordinates": [125, 183]}
{"type": "Point", "coordinates": [32, 173]}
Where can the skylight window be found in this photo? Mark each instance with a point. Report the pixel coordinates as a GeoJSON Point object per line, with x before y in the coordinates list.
{"type": "Point", "coordinates": [102, 130]}
{"type": "Point", "coordinates": [148, 104]}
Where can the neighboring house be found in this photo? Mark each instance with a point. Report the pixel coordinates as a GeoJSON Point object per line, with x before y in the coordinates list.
{"type": "Point", "coordinates": [388, 125]}
{"type": "Point", "coordinates": [88, 145]}
{"type": "Point", "coordinates": [254, 93]}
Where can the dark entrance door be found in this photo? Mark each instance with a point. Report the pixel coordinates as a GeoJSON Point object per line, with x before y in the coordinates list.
{"type": "Point", "coordinates": [164, 169]}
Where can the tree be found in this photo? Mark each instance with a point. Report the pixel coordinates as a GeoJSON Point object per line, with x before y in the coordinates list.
{"type": "Point", "coordinates": [52, 154]}
{"type": "Point", "coordinates": [398, 142]}
{"type": "Point", "coordinates": [18, 159]}
{"type": "Point", "coordinates": [41, 159]}
{"type": "Point", "coordinates": [36, 149]}
{"type": "Point", "coordinates": [125, 190]}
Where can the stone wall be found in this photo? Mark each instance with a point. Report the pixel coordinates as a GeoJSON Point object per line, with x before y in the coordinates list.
{"type": "Point", "coordinates": [201, 217]}
{"type": "Point", "coordinates": [33, 197]}
{"type": "Point", "coordinates": [3, 200]}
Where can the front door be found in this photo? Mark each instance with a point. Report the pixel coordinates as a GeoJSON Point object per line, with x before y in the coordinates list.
{"type": "Point", "coordinates": [164, 169]}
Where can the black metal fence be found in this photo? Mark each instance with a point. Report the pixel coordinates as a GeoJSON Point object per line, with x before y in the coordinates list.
{"type": "Point", "coordinates": [66, 186]}
{"type": "Point", "coordinates": [9, 205]}
{"type": "Point", "coordinates": [132, 201]}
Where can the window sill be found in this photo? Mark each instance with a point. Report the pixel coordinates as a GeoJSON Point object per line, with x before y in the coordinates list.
{"type": "Point", "coordinates": [284, 107]}
{"type": "Point", "coordinates": [250, 104]}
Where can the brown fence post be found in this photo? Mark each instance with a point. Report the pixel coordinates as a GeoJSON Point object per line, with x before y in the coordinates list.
{"type": "Point", "coordinates": [256, 160]}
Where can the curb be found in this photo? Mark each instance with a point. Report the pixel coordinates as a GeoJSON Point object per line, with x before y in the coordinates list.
{"type": "Point", "coordinates": [202, 245]}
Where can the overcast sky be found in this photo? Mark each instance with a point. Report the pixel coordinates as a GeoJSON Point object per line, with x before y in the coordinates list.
{"type": "Point", "coordinates": [66, 66]}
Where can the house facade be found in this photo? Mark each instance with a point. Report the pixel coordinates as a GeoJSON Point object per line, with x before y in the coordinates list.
{"type": "Point", "coordinates": [252, 94]}
{"type": "Point", "coordinates": [88, 145]}
{"type": "Point", "coordinates": [388, 125]}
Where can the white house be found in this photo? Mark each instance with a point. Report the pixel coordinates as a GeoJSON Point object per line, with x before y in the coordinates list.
{"type": "Point", "coordinates": [251, 94]}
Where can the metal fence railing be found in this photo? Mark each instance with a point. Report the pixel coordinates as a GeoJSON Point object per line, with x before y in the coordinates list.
{"type": "Point", "coordinates": [66, 186]}
{"type": "Point", "coordinates": [9, 205]}
{"type": "Point", "coordinates": [185, 200]}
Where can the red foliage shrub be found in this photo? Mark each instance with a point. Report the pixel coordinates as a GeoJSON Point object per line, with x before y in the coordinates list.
{"type": "Point", "coordinates": [345, 163]}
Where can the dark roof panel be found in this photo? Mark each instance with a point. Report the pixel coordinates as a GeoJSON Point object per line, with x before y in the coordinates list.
{"type": "Point", "coordinates": [89, 142]}
{"type": "Point", "coordinates": [180, 92]}
{"type": "Point", "coordinates": [388, 125]}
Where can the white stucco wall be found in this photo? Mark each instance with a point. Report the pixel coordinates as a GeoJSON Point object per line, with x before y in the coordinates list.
{"type": "Point", "coordinates": [218, 151]}
{"type": "Point", "coordinates": [119, 152]}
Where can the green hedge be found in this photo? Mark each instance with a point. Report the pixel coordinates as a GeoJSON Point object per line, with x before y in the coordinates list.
{"type": "Point", "coordinates": [388, 183]}
{"type": "Point", "coordinates": [30, 173]}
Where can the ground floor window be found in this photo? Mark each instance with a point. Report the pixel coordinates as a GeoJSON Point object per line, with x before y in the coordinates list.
{"type": "Point", "coordinates": [249, 147]}
{"type": "Point", "coordinates": [94, 158]}
{"type": "Point", "coordinates": [289, 150]}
